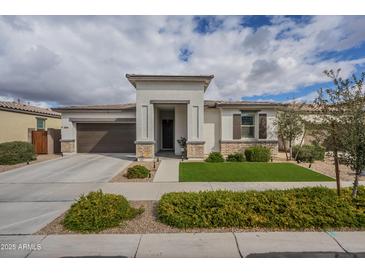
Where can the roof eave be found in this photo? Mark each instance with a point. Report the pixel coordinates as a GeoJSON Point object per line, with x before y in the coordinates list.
{"type": "Point", "coordinates": [35, 113]}
{"type": "Point", "coordinates": [223, 105]}
{"type": "Point", "coordinates": [134, 78]}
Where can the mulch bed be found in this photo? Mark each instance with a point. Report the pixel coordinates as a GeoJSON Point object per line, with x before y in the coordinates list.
{"type": "Point", "coordinates": [147, 223]}
{"type": "Point", "coordinates": [121, 178]}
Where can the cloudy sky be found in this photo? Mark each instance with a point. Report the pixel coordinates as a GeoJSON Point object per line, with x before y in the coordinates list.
{"type": "Point", "coordinates": [67, 60]}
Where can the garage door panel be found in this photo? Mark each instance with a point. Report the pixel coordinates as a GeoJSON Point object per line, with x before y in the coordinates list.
{"type": "Point", "coordinates": [106, 138]}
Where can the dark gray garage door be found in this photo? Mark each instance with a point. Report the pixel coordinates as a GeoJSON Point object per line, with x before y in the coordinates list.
{"type": "Point", "coordinates": [106, 138]}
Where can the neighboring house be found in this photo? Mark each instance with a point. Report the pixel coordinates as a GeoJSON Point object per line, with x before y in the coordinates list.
{"type": "Point", "coordinates": [19, 121]}
{"type": "Point", "coordinates": [167, 108]}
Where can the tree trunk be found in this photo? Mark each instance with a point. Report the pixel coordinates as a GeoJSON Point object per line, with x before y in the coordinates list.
{"type": "Point", "coordinates": [300, 145]}
{"type": "Point", "coordinates": [335, 157]}
{"type": "Point", "coordinates": [356, 185]}
{"type": "Point", "coordinates": [290, 150]}
{"type": "Point", "coordinates": [337, 171]}
{"type": "Point", "coordinates": [285, 149]}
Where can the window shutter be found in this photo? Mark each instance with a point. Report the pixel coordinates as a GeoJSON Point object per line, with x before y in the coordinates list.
{"type": "Point", "coordinates": [263, 126]}
{"type": "Point", "coordinates": [236, 126]}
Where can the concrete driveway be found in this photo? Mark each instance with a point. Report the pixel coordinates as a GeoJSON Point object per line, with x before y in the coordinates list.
{"type": "Point", "coordinates": [32, 196]}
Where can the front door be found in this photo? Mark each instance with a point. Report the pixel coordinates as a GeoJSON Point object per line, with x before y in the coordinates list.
{"type": "Point", "coordinates": [167, 134]}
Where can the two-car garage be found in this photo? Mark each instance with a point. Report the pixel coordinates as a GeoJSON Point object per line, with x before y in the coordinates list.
{"type": "Point", "coordinates": [106, 137]}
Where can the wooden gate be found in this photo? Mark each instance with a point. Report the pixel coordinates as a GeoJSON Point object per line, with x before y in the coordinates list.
{"type": "Point", "coordinates": [39, 141]}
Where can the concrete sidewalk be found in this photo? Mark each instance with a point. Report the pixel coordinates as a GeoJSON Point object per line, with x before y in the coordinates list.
{"type": "Point", "coordinates": [168, 170]}
{"type": "Point", "coordinates": [184, 245]}
{"type": "Point", "coordinates": [154, 191]}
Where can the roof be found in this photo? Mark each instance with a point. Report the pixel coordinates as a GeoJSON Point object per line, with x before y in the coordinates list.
{"type": "Point", "coordinates": [207, 103]}
{"type": "Point", "coordinates": [211, 103]}
{"type": "Point", "coordinates": [133, 78]}
{"type": "Point", "coordinates": [28, 109]}
{"type": "Point", "coordinates": [97, 107]}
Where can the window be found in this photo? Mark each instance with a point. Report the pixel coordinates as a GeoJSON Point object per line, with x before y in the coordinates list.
{"type": "Point", "coordinates": [247, 125]}
{"type": "Point", "coordinates": [41, 123]}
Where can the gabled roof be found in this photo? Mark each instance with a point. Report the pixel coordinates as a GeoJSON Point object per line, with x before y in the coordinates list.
{"type": "Point", "coordinates": [28, 109]}
{"type": "Point", "coordinates": [133, 78]}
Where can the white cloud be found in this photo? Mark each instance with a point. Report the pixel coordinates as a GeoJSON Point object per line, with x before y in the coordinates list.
{"type": "Point", "coordinates": [82, 60]}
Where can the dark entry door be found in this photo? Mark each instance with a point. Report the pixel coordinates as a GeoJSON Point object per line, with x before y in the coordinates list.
{"type": "Point", "coordinates": [167, 134]}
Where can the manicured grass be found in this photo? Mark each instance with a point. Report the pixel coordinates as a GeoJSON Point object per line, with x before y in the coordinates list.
{"type": "Point", "coordinates": [247, 172]}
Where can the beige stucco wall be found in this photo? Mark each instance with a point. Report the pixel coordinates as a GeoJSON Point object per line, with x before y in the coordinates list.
{"type": "Point", "coordinates": [183, 91]}
{"type": "Point", "coordinates": [180, 125]}
{"type": "Point", "coordinates": [14, 126]}
{"type": "Point", "coordinates": [212, 130]}
{"type": "Point", "coordinates": [227, 124]}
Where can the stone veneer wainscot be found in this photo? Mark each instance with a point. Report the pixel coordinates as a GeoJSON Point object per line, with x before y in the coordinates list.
{"type": "Point", "coordinates": [230, 147]}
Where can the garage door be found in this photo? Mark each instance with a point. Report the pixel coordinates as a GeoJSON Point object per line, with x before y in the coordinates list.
{"type": "Point", "coordinates": [106, 138]}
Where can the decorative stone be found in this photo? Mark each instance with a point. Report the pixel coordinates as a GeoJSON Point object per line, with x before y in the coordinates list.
{"type": "Point", "coordinates": [230, 147]}
{"type": "Point", "coordinates": [145, 150]}
{"type": "Point", "coordinates": [195, 150]}
{"type": "Point", "coordinates": [67, 146]}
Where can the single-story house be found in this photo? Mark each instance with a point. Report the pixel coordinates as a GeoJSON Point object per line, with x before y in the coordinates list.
{"type": "Point", "coordinates": [24, 122]}
{"type": "Point", "coordinates": [167, 108]}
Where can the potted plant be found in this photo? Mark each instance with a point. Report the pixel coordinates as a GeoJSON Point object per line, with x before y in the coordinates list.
{"type": "Point", "coordinates": [182, 143]}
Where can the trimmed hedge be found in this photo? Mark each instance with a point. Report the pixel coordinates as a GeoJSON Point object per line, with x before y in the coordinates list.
{"type": "Point", "coordinates": [258, 154]}
{"type": "Point", "coordinates": [215, 157]}
{"type": "Point", "coordinates": [97, 211]}
{"type": "Point", "coordinates": [137, 171]}
{"type": "Point", "coordinates": [308, 153]}
{"type": "Point", "coordinates": [236, 157]}
{"type": "Point", "coordinates": [12, 153]}
{"type": "Point", "coordinates": [316, 207]}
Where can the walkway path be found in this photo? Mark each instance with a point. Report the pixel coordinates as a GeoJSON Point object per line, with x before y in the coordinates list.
{"type": "Point", "coordinates": [231, 245]}
{"type": "Point", "coordinates": [154, 191]}
{"type": "Point", "coordinates": [168, 171]}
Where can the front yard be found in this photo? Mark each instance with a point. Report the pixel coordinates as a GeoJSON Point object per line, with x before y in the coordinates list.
{"type": "Point", "coordinates": [248, 172]}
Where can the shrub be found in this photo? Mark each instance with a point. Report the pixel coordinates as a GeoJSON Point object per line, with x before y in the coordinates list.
{"type": "Point", "coordinates": [16, 152]}
{"type": "Point", "coordinates": [137, 171]}
{"type": "Point", "coordinates": [309, 153]}
{"type": "Point", "coordinates": [316, 207]}
{"type": "Point", "coordinates": [258, 154]}
{"type": "Point", "coordinates": [97, 211]}
{"type": "Point", "coordinates": [236, 157]}
{"type": "Point", "coordinates": [215, 157]}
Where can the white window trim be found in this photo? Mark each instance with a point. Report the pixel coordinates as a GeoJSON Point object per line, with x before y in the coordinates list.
{"type": "Point", "coordinates": [254, 125]}
{"type": "Point", "coordinates": [44, 123]}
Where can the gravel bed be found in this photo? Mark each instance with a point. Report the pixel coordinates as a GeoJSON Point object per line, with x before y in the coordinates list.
{"type": "Point", "coordinates": [121, 178]}
{"type": "Point", "coordinates": [40, 158]}
{"type": "Point", "coordinates": [147, 223]}
{"type": "Point", "coordinates": [325, 167]}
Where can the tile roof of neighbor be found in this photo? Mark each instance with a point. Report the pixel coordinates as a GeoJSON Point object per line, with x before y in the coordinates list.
{"type": "Point", "coordinates": [208, 103]}
{"type": "Point", "coordinates": [25, 108]}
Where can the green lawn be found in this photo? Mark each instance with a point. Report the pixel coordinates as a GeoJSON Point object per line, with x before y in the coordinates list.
{"type": "Point", "coordinates": [247, 172]}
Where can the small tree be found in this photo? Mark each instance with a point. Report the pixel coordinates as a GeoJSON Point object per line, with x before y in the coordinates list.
{"type": "Point", "coordinates": [289, 125]}
{"type": "Point", "coordinates": [343, 116]}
